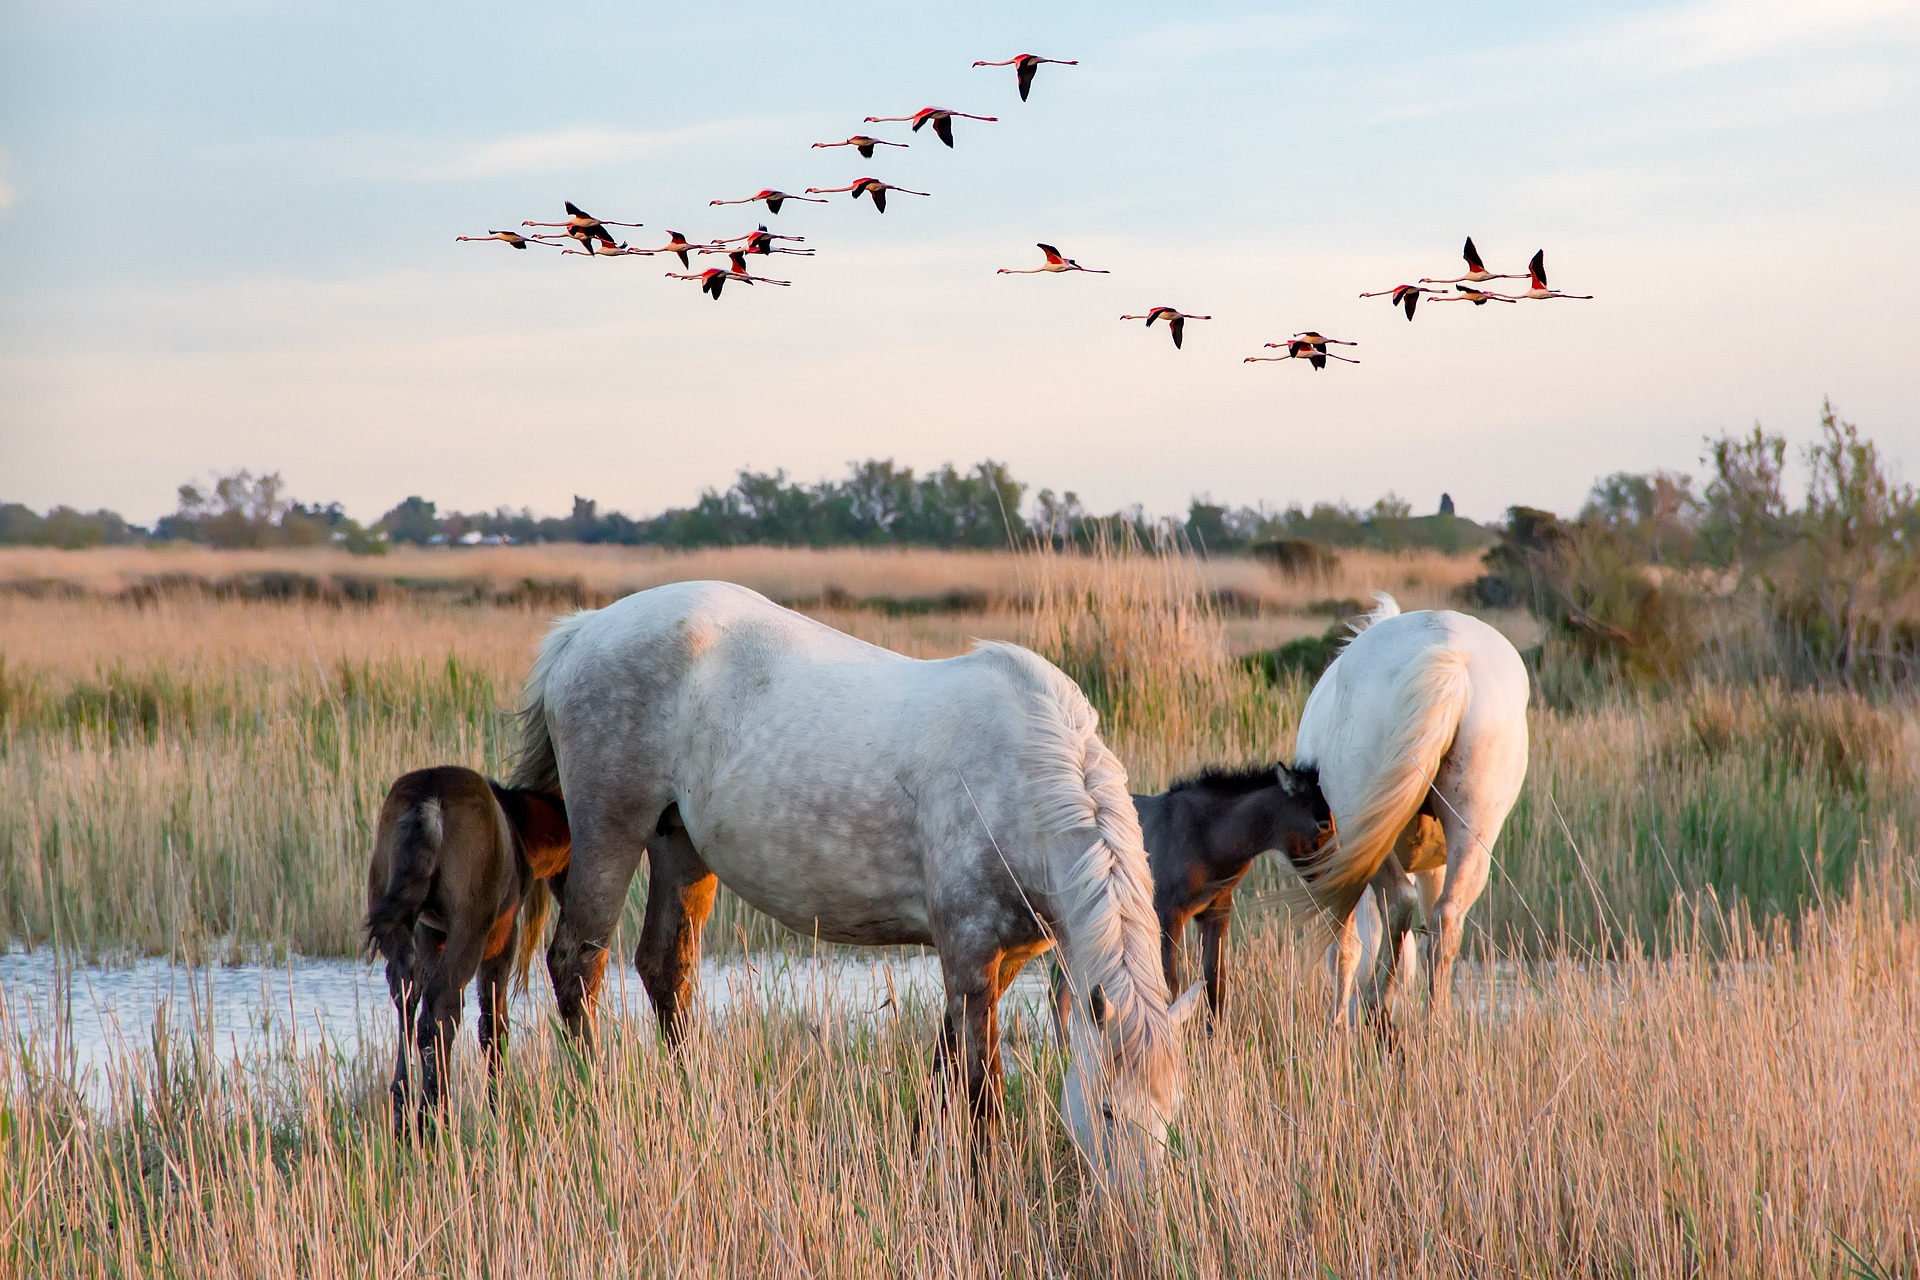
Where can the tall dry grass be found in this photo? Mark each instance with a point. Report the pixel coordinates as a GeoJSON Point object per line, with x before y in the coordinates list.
{"type": "Point", "coordinates": [1686, 1049]}
{"type": "Point", "coordinates": [1649, 1118]}
{"type": "Point", "coordinates": [194, 776]}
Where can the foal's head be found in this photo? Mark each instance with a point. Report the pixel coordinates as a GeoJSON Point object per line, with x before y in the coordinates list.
{"type": "Point", "coordinates": [1302, 819]}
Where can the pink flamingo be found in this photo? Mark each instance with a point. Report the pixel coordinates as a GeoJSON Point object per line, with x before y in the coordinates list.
{"type": "Point", "coordinates": [513, 239]}
{"type": "Point", "coordinates": [1537, 282]}
{"type": "Point", "coordinates": [1467, 293]}
{"type": "Point", "coordinates": [939, 117]}
{"type": "Point", "coordinates": [769, 197]}
{"type": "Point", "coordinates": [759, 240]}
{"type": "Point", "coordinates": [1304, 348]}
{"type": "Point", "coordinates": [1175, 318]}
{"type": "Point", "coordinates": [1403, 295]}
{"type": "Point", "coordinates": [1477, 272]}
{"type": "Point", "coordinates": [1055, 263]}
{"type": "Point", "coordinates": [714, 278]}
{"type": "Point", "coordinates": [861, 143]}
{"type": "Point", "coordinates": [867, 187]}
{"type": "Point", "coordinates": [1025, 65]}
{"type": "Point", "coordinates": [583, 226]}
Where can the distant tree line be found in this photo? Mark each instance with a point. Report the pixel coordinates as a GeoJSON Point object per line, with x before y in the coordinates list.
{"type": "Point", "coordinates": [877, 503]}
{"type": "Point", "coordinates": [1656, 578]}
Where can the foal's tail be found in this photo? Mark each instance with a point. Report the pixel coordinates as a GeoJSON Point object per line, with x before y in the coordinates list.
{"type": "Point", "coordinates": [418, 837]}
{"type": "Point", "coordinates": [1431, 699]}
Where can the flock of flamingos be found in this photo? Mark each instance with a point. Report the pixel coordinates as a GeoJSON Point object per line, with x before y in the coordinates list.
{"type": "Point", "coordinates": [592, 238]}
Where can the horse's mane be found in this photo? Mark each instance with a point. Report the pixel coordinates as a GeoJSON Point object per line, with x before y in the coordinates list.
{"type": "Point", "coordinates": [1106, 902]}
{"type": "Point", "coordinates": [1244, 782]}
{"type": "Point", "coordinates": [1231, 782]}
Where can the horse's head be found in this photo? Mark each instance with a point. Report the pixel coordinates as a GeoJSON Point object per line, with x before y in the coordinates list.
{"type": "Point", "coordinates": [1123, 1087]}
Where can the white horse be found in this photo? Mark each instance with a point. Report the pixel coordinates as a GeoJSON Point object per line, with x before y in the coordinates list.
{"type": "Point", "coordinates": [1419, 730]}
{"type": "Point", "coordinates": [857, 796]}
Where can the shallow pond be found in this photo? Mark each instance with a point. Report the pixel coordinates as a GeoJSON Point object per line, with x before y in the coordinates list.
{"type": "Point", "coordinates": [102, 1019]}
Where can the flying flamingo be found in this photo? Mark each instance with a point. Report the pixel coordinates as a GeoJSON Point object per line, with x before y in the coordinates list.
{"type": "Point", "coordinates": [863, 144]}
{"type": "Point", "coordinates": [1537, 281]}
{"type": "Point", "coordinates": [1314, 354]}
{"type": "Point", "coordinates": [713, 278]}
{"type": "Point", "coordinates": [1403, 295]}
{"type": "Point", "coordinates": [771, 198]}
{"type": "Point", "coordinates": [1175, 318]}
{"type": "Point", "coordinates": [1478, 297]}
{"type": "Point", "coordinates": [1055, 263]}
{"type": "Point", "coordinates": [676, 244]}
{"type": "Point", "coordinates": [1314, 339]}
{"type": "Point", "coordinates": [604, 249]}
{"type": "Point", "coordinates": [1477, 272]}
{"type": "Point", "coordinates": [511, 238]}
{"type": "Point", "coordinates": [867, 187]}
{"type": "Point", "coordinates": [939, 117]}
{"type": "Point", "coordinates": [582, 225]}
{"type": "Point", "coordinates": [1024, 65]}
{"type": "Point", "coordinates": [759, 240]}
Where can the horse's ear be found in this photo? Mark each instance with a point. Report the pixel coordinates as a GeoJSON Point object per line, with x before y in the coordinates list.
{"type": "Point", "coordinates": [1187, 1005]}
{"type": "Point", "coordinates": [1097, 1005]}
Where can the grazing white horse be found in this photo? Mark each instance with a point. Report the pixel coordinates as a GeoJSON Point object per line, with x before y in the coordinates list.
{"type": "Point", "coordinates": [858, 796]}
{"type": "Point", "coordinates": [1421, 720]}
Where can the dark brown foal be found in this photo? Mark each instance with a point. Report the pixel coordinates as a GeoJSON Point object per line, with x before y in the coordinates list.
{"type": "Point", "coordinates": [457, 886]}
{"type": "Point", "coordinates": [1202, 834]}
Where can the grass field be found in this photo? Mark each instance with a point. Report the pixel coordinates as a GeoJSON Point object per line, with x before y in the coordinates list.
{"type": "Point", "coordinates": [1692, 1051]}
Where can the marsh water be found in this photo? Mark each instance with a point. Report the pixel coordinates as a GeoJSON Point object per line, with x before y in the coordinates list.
{"type": "Point", "coordinates": [95, 1021]}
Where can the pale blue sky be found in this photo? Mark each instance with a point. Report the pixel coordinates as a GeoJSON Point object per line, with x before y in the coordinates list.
{"type": "Point", "coordinates": [226, 239]}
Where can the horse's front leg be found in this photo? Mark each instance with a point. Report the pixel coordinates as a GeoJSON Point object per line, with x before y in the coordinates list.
{"type": "Point", "coordinates": [968, 1051]}
{"type": "Point", "coordinates": [680, 891]}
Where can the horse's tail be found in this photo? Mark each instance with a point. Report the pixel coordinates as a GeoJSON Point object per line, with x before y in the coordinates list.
{"type": "Point", "coordinates": [535, 907]}
{"type": "Point", "coordinates": [418, 836]}
{"type": "Point", "coordinates": [536, 767]}
{"type": "Point", "coordinates": [1431, 698]}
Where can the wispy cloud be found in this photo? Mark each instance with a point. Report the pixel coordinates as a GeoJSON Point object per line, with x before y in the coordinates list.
{"type": "Point", "coordinates": [8, 193]}
{"type": "Point", "coordinates": [390, 158]}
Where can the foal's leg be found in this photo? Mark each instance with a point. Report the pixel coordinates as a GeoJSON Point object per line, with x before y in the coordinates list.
{"type": "Point", "coordinates": [1213, 933]}
{"type": "Point", "coordinates": [402, 986]}
{"type": "Point", "coordinates": [496, 972]}
{"type": "Point", "coordinates": [441, 995]}
{"type": "Point", "coordinates": [680, 891]}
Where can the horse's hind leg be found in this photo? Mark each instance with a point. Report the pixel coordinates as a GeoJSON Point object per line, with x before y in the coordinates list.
{"type": "Point", "coordinates": [606, 853]}
{"type": "Point", "coordinates": [1343, 962]}
{"type": "Point", "coordinates": [680, 891]}
{"type": "Point", "coordinates": [1469, 860]}
{"type": "Point", "coordinates": [1398, 906]}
